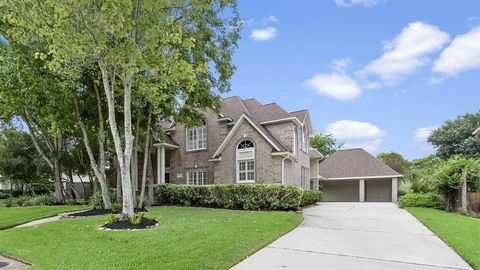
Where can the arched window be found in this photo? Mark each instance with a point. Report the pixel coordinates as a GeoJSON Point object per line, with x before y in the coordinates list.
{"type": "Point", "coordinates": [246, 162]}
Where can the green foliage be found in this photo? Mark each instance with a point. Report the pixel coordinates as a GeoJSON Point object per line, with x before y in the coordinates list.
{"type": "Point", "coordinates": [455, 137]}
{"type": "Point", "coordinates": [116, 207]}
{"type": "Point", "coordinates": [414, 186]}
{"type": "Point", "coordinates": [20, 163]}
{"type": "Point", "coordinates": [137, 218]}
{"type": "Point", "coordinates": [231, 196]}
{"type": "Point", "coordinates": [429, 199]}
{"type": "Point", "coordinates": [310, 197]}
{"type": "Point", "coordinates": [449, 175]}
{"type": "Point", "coordinates": [112, 219]}
{"type": "Point", "coordinates": [325, 144]}
{"type": "Point", "coordinates": [395, 161]}
{"type": "Point", "coordinates": [30, 201]}
{"type": "Point", "coordinates": [96, 200]}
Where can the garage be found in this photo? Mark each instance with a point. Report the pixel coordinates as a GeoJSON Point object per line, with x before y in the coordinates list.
{"type": "Point", "coordinates": [340, 191]}
{"type": "Point", "coordinates": [354, 175]}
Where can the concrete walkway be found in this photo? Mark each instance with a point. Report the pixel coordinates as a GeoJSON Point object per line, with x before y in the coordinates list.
{"type": "Point", "coordinates": [48, 219]}
{"type": "Point", "coordinates": [361, 236]}
{"type": "Point", "coordinates": [10, 264]}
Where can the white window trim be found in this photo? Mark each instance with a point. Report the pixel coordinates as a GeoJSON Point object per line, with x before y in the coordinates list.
{"type": "Point", "coordinates": [197, 171]}
{"type": "Point", "coordinates": [237, 161]}
{"type": "Point", "coordinates": [205, 133]}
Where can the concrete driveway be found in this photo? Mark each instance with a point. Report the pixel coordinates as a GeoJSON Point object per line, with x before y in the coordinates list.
{"type": "Point", "coordinates": [356, 236]}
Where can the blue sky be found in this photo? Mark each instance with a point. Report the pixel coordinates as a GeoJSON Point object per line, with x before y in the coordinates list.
{"type": "Point", "coordinates": [376, 74]}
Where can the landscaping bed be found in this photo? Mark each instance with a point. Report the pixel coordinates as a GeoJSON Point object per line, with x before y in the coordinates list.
{"type": "Point", "coordinates": [127, 225]}
{"type": "Point", "coordinates": [460, 232]}
{"type": "Point", "coordinates": [188, 238]}
{"type": "Point", "coordinates": [99, 212]}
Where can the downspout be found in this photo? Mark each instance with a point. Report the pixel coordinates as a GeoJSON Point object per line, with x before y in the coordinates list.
{"type": "Point", "coordinates": [283, 169]}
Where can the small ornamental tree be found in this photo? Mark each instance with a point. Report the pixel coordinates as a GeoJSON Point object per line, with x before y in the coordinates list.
{"type": "Point", "coordinates": [450, 176]}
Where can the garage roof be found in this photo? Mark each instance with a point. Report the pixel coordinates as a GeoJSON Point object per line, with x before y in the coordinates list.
{"type": "Point", "coordinates": [354, 164]}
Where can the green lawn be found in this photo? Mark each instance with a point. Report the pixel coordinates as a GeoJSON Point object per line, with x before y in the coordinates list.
{"type": "Point", "coordinates": [187, 238]}
{"type": "Point", "coordinates": [13, 216]}
{"type": "Point", "coordinates": [460, 232]}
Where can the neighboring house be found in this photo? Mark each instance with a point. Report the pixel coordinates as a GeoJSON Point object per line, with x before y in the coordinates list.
{"type": "Point", "coordinates": [247, 142]}
{"type": "Point", "coordinates": [356, 176]}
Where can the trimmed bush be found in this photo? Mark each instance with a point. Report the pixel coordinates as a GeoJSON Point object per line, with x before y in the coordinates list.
{"type": "Point", "coordinates": [310, 197]}
{"type": "Point", "coordinates": [96, 200]}
{"type": "Point", "coordinates": [30, 201]}
{"type": "Point", "coordinates": [429, 200]}
{"type": "Point", "coordinates": [231, 196]}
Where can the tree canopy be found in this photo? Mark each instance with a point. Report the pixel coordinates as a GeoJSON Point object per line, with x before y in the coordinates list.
{"type": "Point", "coordinates": [455, 137]}
{"type": "Point", "coordinates": [395, 161]}
{"type": "Point", "coordinates": [325, 144]}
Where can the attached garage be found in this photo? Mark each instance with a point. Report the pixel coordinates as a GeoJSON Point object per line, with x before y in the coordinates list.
{"type": "Point", "coordinates": [353, 175]}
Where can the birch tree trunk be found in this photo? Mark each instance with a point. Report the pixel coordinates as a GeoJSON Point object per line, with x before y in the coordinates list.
{"type": "Point", "coordinates": [150, 180]}
{"type": "Point", "coordinates": [124, 154]}
{"type": "Point", "coordinates": [98, 169]}
{"type": "Point", "coordinates": [146, 158]}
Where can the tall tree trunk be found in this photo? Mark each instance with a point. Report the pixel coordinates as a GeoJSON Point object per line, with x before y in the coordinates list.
{"type": "Point", "coordinates": [59, 197]}
{"type": "Point", "coordinates": [54, 150]}
{"type": "Point", "coordinates": [119, 180]}
{"type": "Point", "coordinates": [72, 186]}
{"type": "Point", "coordinates": [150, 180]}
{"type": "Point", "coordinates": [135, 158]}
{"type": "Point", "coordinates": [124, 154]}
{"type": "Point", "coordinates": [146, 158]}
{"type": "Point", "coordinates": [98, 169]}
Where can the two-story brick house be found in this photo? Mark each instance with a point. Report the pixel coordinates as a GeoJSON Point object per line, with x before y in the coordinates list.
{"type": "Point", "coordinates": [248, 142]}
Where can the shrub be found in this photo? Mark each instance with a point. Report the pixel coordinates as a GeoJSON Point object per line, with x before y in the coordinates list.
{"type": "Point", "coordinates": [116, 207]}
{"type": "Point", "coordinates": [136, 219]}
{"type": "Point", "coordinates": [231, 196]}
{"type": "Point", "coordinates": [310, 197]}
{"type": "Point", "coordinates": [112, 219]}
{"type": "Point", "coordinates": [30, 201]}
{"type": "Point", "coordinates": [5, 194]}
{"type": "Point", "coordinates": [429, 199]}
{"type": "Point", "coordinates": [96, 200]}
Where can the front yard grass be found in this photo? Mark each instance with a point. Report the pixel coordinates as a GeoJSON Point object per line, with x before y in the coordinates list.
{"type": "Point", "coordinates": [187, 238]}
{"type": "Point", "coordinates": [460, 232]}
{"type": "Point", "coordinates": [13, 216]}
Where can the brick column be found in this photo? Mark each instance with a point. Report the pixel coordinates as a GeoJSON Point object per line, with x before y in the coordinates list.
{"type": "Point", "coordinates": [394, 189]}
{"type": "Point", "coordinates": [361, 190]}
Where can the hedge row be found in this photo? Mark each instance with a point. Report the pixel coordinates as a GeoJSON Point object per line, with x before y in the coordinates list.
{"type": "Point", "coordinates": [310, 197]}
{"type": "Point", "coordinates": [429, 199]}
{"type": "Point", "coordinates": [233, 196]}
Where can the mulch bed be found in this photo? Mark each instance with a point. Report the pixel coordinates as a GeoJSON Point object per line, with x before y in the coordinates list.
{"type": "Point", "coordinates": [98, 212]}
{"type": "Point", "coordinates": [126, 225]}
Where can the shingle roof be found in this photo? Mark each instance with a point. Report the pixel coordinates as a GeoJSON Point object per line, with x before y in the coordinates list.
{"type": "Point", "coordinates": [299, 114]}
{"type": "Point", "coordinates": [352, 163]}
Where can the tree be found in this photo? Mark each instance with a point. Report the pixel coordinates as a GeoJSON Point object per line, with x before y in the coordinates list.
{"type": "Point", "coordinates": [20, 164]}
{"type": "Point", "coordinates": [455, 137]}
{"type": "Point", "coordinates": [177, 52]}
{"type": "Point", "coordinates": [395, 161]}
{"type": "Point", "coordinates": [28, 91]}
{"type": "Point", "coordinates": [325, 144]}
{"type": "Point", "coordinates": [450, 176]}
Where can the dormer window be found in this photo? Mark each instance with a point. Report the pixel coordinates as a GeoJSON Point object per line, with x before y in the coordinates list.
{"type": "Point", "coordinates": [197, 137]}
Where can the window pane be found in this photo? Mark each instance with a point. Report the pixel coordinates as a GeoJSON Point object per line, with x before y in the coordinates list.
{"type": "Point", "coordinates": [241, 165]}
{"type": "Point", "coordinates": [242, 176]}
{"type": "Point", "coordinates": [250, 165]}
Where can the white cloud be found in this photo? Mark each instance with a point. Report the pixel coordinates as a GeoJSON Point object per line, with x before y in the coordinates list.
{"type": "Point", "coordinates": [335, 85]}
{"type": "Point", "coordinates": [407, 52]}
{"type": "Point", "coordinates": [264, 34]}
{"type": "Point", "coordinates": [421, 134]}
{"type": "Point", "coordinates": [270, 19]}
{"type": "Point", "coordinates": [351, 3]}
{"type": "Point", "coordinates": [357, 134]}
{"type": "Point", "coordinates": [461, 55]}
{"type": "Point", "coordinates": [341, 65]}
